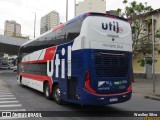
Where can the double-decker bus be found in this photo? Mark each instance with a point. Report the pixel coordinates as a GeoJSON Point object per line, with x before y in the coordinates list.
{"type": "Point", "coordinates": [87, 60]}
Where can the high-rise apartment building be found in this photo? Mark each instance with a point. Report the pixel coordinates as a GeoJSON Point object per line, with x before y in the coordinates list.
{"type": "Point", "coordinates": [91, 6]}
{"type": "Point", "coordinates": [12, 28]}
{"type": "Point", "coordinates": [49, 21]}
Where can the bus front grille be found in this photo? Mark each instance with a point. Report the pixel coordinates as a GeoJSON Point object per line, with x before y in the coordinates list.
{"type": "Point", "coordinates": [111, 64]}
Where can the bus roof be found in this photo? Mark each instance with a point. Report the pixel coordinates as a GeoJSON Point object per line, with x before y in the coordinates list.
{"type": "Point", "coordinates": [75, 19]}
{"type": "Point", "coordinates": [95, 14]}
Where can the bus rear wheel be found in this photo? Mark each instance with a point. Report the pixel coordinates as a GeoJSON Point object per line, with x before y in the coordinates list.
{"type": "Point", "coordinates": [57, 95]}
{"type": "Point", "coordinates": [47, 92]}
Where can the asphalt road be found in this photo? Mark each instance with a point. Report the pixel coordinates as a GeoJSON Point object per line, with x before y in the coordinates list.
{"type": "Point", "coordinates": [32, 100]}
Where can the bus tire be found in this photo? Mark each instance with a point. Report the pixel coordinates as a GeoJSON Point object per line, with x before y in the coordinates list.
{"type": "Point", "coordinates": [20, 82]}
{"type": "Point", "coordinates": [47, 92]}
{"type": "Point", "coordinates": [57, 95]}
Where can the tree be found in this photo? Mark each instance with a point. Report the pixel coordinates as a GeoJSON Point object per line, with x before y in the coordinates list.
{"type": "Point", "coordinates": [138, 15]}
{"type": "Point", "coordinates": [125, 1]}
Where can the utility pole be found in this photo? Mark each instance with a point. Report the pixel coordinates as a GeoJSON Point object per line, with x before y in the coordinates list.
{"type": "Point", "coordinates": [35, 26]}
{"type": "Point", "coordinates": [153, 55]}
{"type": "Point", "coordinates": [74, 8]}
{"type": "Point", "coordinates": [66, 10]}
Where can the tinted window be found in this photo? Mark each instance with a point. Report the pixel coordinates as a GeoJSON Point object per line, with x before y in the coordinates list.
{"type": "Point", "coordinates": [73, 29]}
{"type": "Point", "coordinates": [68, 33]}
{"type": "Point", "coordinates": [43, 42]}
{"type": "Point", "coordinates": [59, 37]}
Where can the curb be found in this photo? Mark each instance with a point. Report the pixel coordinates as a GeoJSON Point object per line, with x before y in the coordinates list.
{"type": "Point", "coordinates": [152, 98]}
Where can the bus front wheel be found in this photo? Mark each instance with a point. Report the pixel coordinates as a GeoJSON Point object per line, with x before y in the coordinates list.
{"type": "Point", "coordinates": [57, 95]}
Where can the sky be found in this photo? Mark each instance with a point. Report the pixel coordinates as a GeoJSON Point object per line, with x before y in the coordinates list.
{"type": "Point", "coordinates": [23, 11]}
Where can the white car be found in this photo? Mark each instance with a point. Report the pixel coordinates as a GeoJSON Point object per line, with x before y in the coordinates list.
{"type": "Point", "coordinates": [11, 67]}
{"type": "Point", "coordinates": [14, 68]}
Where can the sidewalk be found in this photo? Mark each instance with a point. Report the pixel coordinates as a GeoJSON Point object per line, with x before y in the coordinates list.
{"type": "Point", "coordinates": [144, 88]}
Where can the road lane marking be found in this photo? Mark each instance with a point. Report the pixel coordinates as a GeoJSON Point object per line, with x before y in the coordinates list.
{"type": "Point", "coordinates": [13, 118]}
{"type": "Point", "coordinates": [8, 102]}
{"type": "Point", "coordinates": [7, 98]}
{"type": "Point", "coordinates": [6, 95]}
{"type": "Point", "coordinates": [15, 110]}
{"type": "Point", "coordinates": [14, 105]}
{"type": "Point", "coordinates": [4, 91]}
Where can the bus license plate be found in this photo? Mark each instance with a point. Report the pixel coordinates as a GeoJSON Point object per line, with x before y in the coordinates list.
{"type": "Point", "coordinates": [113, 99]}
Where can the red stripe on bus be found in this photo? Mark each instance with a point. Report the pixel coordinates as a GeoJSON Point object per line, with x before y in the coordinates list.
{"type": "Point", "coordinates": [108, 94]}
{"type": "Point", "coordinates": [49, 55]}
{"type": "Point", "coordinates": [38, 77]}
{"type": "Point", "coordinates": [59, 27]}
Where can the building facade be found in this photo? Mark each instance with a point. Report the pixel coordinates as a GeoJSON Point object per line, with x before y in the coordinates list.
{"type": "Point", "coordinates": [136, 66]}
{"type": "Point", "coordinates": [91, 6]}
{"type": "Point", "coordinates": [12, 29]}
{"type": "Point", "coordinates": [49, 21]}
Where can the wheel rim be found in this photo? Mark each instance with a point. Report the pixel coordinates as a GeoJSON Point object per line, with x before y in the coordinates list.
{"type": "Point", "coordinates": [57, 94]}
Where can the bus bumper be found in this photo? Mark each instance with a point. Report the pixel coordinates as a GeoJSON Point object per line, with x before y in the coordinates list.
{"type": "Point", "coordinates": [95, 99]}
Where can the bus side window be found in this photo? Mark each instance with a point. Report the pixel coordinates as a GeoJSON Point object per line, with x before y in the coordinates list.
{"type": "Point", "coordinates": [73, 30]}
{"type": "Point", "coordinates": [51, 41]}
{"type": "Point", "coordinates": [43, 42]}
{"type": "Point", "coordinates": [60, 36]}
{"type": "Point", "coordinates": [31, 47]}
{"type": "Point", "coordinates": [57, 37]}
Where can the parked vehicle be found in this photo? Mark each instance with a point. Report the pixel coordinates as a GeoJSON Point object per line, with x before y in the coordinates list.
{"type": "Point", "coordinates": [11, 67]}
{"type": "Point", "coordinates": [14, 68]}
{"type": "Point", "coordinates": [4, 67]}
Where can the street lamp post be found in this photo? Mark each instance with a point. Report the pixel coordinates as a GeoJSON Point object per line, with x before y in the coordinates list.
{"type": "Point", "coordinates": [74, 8]}
{"type": "Point", "coordinates": [153, 55]}
{"type": "Point", "coordinates": [66, 10]}
{"type": "Point", "coordinates": [35, 26]}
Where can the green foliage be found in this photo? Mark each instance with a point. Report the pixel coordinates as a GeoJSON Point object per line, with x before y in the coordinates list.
{"type": "Point", "coordinates": [125, 1]}
{"type": "Point", "coordinates": [133, 4]}
{"type": "Point", "coordinates": [118, 12]}
{"type": "Point", "coordinates": [147, 60]}
{"type": "Point", "coordinates": [139, 16]}
{"type": "Point", "coordinates": [157, 33]}
{"type": "Point", "coordinates": [141, 62]}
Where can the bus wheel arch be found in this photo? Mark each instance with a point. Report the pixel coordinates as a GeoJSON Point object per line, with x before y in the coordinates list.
{"type": "Point", "coordinates": [46, 90]}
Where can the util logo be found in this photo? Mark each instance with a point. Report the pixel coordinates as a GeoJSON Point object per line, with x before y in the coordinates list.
{"type": "Point", "coordinates": [57, 63]}
{"type": "Point", "coordinates": [112, 26]}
